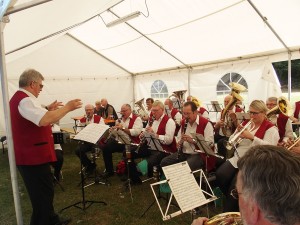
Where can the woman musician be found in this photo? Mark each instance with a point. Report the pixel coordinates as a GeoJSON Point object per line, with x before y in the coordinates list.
{"type": "Point", "coordinates": [260, 132]}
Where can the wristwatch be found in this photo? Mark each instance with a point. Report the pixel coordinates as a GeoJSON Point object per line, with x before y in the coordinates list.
{"type": "Point", "coordinates": [123, 128]}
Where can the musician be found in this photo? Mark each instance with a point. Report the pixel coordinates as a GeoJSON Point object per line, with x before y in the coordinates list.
{"type": "Point", "coordinates": [281, 121]}
{"type": "Point", "coordinates": [173, 114]}
{"type": "Point", "coordinates": [164, 128]}
{"type": "Point", "coordinates": [33, 144]}
{"type": "Point", "coordinates": [98, 110]}
{"type": "Point", "coordinates": [260, 132]}
{"type": "Point", "coordinates": [85, 147]}
{"type": "Point", "coordinates": [132, 125]}
{"type": "Point", "coordinates": [109, 111]}
{"type": "Point", "coordinates": [201, 110]}
{"type": "Point", "coordinates": [296, 115]}
{"type": "Point", "coordinates": [230, 122]}
{"type": "Point", "coordinates": [191, 123]}
{"type": "Point", "coordinates": [267, 187]}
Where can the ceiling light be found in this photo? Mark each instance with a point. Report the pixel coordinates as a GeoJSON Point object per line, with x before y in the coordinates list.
{"type": "Point", "coordinates": [123, 19]}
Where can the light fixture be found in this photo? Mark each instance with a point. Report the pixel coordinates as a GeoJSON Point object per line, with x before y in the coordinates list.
{"type": "Point", "coordinates": [123, 19]}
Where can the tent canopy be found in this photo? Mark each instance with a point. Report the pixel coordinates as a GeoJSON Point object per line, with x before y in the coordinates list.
{"type": "Point", "coordinates": [168, 34]}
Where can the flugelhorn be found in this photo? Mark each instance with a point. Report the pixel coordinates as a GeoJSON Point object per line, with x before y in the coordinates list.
{"type": "Point", "coordinates": [228, 218]}
{"type": "Point", "coordinates": [141, 109]}
{"type": "Point", "coordinates": [236, 140]}
{"type": "Point", "coordinates": [178, 99]}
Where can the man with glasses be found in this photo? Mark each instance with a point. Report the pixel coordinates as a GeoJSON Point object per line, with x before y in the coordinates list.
{"type": "Point", "coordinates": [260, 131]}
{"type": "Point", "coordinates": [281, 121]}
{"type": "Point", "coordinates": [132, 126]}
{"type": "Point", "coordinates": [34, 146]}
{"type": "Point", "coordinates": [192, 123]}
{"type": "Point", "coordinates": [173, 113]}
{"type": "Point", "coordinates": [267, 187]}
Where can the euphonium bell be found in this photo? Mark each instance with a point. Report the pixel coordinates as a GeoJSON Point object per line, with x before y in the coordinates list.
{"type": "Point", "coordinates": [283, 106]}
{"type": "Point", "coordinates": [228, 218]}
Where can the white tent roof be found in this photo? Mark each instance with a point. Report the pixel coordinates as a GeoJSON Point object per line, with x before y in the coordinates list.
{"type": "Point", "coordinates": [176, 33]}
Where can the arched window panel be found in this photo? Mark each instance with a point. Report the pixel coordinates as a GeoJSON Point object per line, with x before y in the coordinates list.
{"type": "Point", "coordinates": [159, 90]}
{"type": "Point", "coordinates": [223, 84]}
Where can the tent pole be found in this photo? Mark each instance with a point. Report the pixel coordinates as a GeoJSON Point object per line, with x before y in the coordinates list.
{"type": "Point", "coordinates": [189, 82]}
{"type": "Point", "coordinates": [289, 76]}
{"type": "Point", "coordinates": [11, 152]}
{"type": "Point", "coordinates": [25, 6]}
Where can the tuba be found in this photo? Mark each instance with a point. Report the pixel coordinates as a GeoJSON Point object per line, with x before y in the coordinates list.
{"type": "Point", "coordinates": [141, 109]}
{"type": "Point", "coordinates": [228, 218]}
{"type": "Point", "coordinates": [178, 99]}
{"type": "Point", "coordinates": [235, 91]}
{"type": "Point", "coordinates": [283, 106]}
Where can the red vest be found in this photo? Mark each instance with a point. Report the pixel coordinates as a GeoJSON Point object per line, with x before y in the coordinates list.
{"type": "Point", "coordinates": [161, 130]}
{"type": "Point", "coordinates": [135, 139]}
{"type": "Point", "coordinates": [281, 123]}
{"type": "Point", "coordinates": [96, 119]}
{"type": "Point", "coordinates": [173, 114]}
{"type": "Point", "coordinates": [33, 144]}
{"type": "Point", "coordinates": [202, 110]}
{"type": "Point", "coordinates": [297, 110]}
{"type": "Point", "coordinates": [260, 133]}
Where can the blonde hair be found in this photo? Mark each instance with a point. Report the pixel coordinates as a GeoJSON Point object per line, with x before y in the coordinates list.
{"type": "Point", "coordinates": [159, 104]}
{"type": "Point", "coordinates": [259, 105]}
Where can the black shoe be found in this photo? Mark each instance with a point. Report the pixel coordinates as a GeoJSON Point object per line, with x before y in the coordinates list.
{"type": "Point", "coordinates": [107, 174]}
{"type": "Point", "coordinates": [64, 221]}
{"type": "Point", "coordinates": [90, 168]}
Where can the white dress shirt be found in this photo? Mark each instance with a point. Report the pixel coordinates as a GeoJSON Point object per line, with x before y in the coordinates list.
{"type": "Point", "coordinates": [136, 128]}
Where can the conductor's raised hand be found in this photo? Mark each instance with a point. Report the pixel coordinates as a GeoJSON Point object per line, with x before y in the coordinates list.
{"type": "Point", "coordinates": [73, 104]}
{"type": "Point", "coordinates": [54, 105]}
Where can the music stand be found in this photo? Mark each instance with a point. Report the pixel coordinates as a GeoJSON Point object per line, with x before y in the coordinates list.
{"type": "Point", "coordinates": [58, 138]}
{"type": "Point", "coordinates": [184, 189]}
{"type": "Point", "coordinates": [92, 133]}
{"type": "Point", "coordinates": [214, 107]}
{"type": "Point", "coordinates": [242, 116]}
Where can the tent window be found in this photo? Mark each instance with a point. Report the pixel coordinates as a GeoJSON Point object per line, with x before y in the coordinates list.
{"type": "Point", "coordinates": [223, 87]}
{"type": "Point", "coordinates": [159, 89]}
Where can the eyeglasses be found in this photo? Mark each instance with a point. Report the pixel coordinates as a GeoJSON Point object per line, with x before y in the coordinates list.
{"type": "Point", "coordinates": [125, 110]}
{"type": "Point", "coordinates": [253, 113]}
{"type": "Point", "coordinates": [235, 194]}
{"type": "Point", "coordinates": [41, 86]}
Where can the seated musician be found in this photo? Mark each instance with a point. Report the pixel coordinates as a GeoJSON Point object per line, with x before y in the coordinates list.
{"type": "Point", "coordinates": [82, 149]}
{"type": "Point", "coordinates": [281, 121]}
{"type": "Point", "coordinates": [260, 131]}
{"type": "Point", "coordinates": [173, 113]}
{"type": "Point", "coordinates": [163, 128]}
{"type": "Point", "coordinates": [227, 124]}
{"type": "Point", "coordinates": [296, 116]}
{"type": "Point", "coordinates": [201, 110]}
{"type": "Point", "coordinates": [267, 188]}
{"type": "Point", "coordinates": [149, 103]}
{"type": "Point", "coordinates": [98, 110]}
{"type": "Point", "coordinates": [108, 111]}
{"type": "Point", "coordinates": [192, 123]}
{"type": "Point", "coordinates": [132, 125]}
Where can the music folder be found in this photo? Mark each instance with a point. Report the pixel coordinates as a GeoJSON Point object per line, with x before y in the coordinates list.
{"type": "Point", "coordinates": [215, 106]}
{"type": "Point", "coordinates": [58, 137]}
{"type": "Point", "coordinates": [153, 142]}
{"type": "Point", "coordinates": [122, 137]}
{"type": "Point", "coordinates": [202, 144]}
{"type": "Point", "coordinates": [242, 116]}
{"type": "Point", "coordinates": [92, 133]}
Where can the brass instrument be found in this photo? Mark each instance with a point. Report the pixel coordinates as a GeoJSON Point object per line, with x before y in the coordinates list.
{"type": "Point", "coordinates": [196, 101]}
{"type": "Point", "coordinates": [141, 111]}
{"type": "Point", "coordinates": [232, 144]}
{"type": "Point", "coordinates": [178, 99]}
{"type": "Point", "coordinates": [296, 141]}
{"type": "Point", "coordinates": [235, 91]}
{"type": "Point", "coordinates": [283, 106]}
{"type": "Point", "coordinates": [228, 218]}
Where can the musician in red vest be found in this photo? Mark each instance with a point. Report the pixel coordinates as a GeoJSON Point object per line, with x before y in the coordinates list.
{"type": "Point", "coordinates": [173, 113]}
{"type": "Point", "coordinates": [131, 125]}
{"type": "Point", "coordinates": [163, 128]}
{"type": "Point", "coordinates": [191, 123]}
{"type": "Point", "coordinates": [281, 121]}
{"type": "Point", "coordinates": [34, 146]}
{"type": "Point", "coordinates": [85, 147]}
{"type": "Point", "coordinates": [296, 116]}
{"type": "Point", "coordinates": [201, 110]}
{"type": "Point", "coordinates": [260, 131]}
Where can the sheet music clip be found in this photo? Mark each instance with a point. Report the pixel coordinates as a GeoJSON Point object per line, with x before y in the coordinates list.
{"type": "Point", "coordinates": [203, 145]}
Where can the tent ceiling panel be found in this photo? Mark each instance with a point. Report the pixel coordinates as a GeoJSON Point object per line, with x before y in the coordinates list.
{"type": "Point", "coordinates": [40, 21]}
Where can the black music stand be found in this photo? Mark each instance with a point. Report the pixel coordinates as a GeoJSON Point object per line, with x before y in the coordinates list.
{"type": "Point", "coordinates": [83, 136]}
{"type": "Point", "coordinates": [58, 138]}
{"type": "Point", "coordinates": [214, 107]}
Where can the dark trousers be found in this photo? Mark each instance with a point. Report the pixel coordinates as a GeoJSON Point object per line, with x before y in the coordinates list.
{"type": "Point", "coordinates": [226, 179]}
{"type": "Point", "coordinates": [81, 151]}
{"type": "Point", "coordinates": [39, 184]}
{"type": "Point", "coordinates": [107, 150]}
{"type": "Point", "coordinates": [58, 164]}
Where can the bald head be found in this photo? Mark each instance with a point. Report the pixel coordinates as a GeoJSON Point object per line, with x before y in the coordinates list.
{"type": "Point", "coordinates": [89, 110]}
{"type": "Point", "coordinates": [227, 99]}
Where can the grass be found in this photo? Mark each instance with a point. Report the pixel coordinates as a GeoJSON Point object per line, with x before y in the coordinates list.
{"type": "Point", "coordinates": [119, 209]}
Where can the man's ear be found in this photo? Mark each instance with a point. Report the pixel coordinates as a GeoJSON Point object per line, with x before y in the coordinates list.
{"type": "Point", "coordinates": [255, 212]}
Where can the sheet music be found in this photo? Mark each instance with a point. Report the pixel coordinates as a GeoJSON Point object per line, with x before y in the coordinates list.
{"type": "Point", "coordinates": [242, 116]}
{"type": "Point", "coordinates": [202, 144]}
{"type": "Point", "coordinates": [92, 133]}
{"type": "Point", "coordinates": [216, 106]}
{"type": "Point", "coordinates": [122, 137]}
{"type": "Point", "coordinates": [152, 141]}
{"type": "Point", "coordinates": [184, 186]}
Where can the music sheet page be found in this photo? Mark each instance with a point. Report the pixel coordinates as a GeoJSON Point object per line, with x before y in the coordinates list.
{"type": "Point", "coordinates": [153, 142]}
{"type": "Point", "coordinates": [92, 133]}
{"type": "Point", "coordinates": [184, 186]}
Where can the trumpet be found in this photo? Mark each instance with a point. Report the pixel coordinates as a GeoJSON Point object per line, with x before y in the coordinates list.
{"type": "Point", "coordinates": [296, 141]}
{"type": "Point", "coordinates": [236, 139]}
